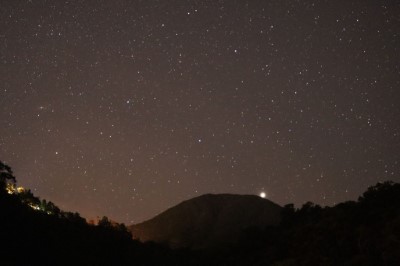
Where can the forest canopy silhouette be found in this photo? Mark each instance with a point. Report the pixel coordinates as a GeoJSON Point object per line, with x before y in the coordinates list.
{"type": "Point", "coordinates": [35, 231]}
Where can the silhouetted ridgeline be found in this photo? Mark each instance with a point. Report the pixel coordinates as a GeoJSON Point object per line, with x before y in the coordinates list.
{"type": "Point", "coordinates": [366, 232]}
{"type": "Point", "coordinates": [36, 232]}
{"type": "Point", "coordinates": [208, 221]}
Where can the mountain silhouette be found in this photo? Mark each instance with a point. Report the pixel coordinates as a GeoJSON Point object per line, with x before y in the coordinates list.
{"type": "Point", "coordinates": [208, 221]}
{"type": "Point", "coordinates": [241, 230]}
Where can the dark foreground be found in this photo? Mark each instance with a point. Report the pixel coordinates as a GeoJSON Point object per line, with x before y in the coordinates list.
{"type": "Point", "coordinates": [366, 232]}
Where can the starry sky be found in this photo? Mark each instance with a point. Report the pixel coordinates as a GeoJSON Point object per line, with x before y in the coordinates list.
{"type": "Point", "coordinates": [126, 108]}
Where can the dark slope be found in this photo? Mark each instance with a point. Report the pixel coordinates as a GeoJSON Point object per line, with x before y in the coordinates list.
{"type": "Point", "coordinates": [33, 237]}
{"type": "Point", "coordinates": [208, 221]}
{"type": "Point", "coordinates": [365, 232]}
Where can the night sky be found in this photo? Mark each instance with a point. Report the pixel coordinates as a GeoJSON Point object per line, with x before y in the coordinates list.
{"type": "Point", "coordinates": [126, 108]}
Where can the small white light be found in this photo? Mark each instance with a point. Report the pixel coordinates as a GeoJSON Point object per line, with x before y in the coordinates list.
{"type": "Point", "coordinates": [263, 194]}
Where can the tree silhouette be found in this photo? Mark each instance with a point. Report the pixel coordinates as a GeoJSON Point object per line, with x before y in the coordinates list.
{"type": "Point", "coordinates": [27, 197]}
{"type": "Point", "coordinates": [363, 232]}
{"type": "Point", "coordinates": [6, 175]}
{"type": "Point", "coordinates": [105, 222]}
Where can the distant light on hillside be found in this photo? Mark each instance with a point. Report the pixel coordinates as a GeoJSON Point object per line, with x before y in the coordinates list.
{"type": "Point", "coordinates": [263, 194]}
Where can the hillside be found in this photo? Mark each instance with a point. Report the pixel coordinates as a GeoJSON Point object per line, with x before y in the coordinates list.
{"type": "Point", "coordinates": [34, 231]}
{"type": "Point", "coordinates": [242, 230]}
{"type": "Point", "coordinates": [208, 221]}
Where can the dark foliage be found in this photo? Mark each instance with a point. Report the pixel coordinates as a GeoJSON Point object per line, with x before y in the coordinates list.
{"type": "Point", "coordinates": [6, 175]}
{"type": "Point", "coordinates": [366, 232]}
{"type": "Point", "coordinates": [45, 235]}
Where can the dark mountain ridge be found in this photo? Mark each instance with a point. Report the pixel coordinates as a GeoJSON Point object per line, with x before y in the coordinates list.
{"type": "Point", "coordinates": [365, 232]}
{"type": "Point", "coordinates": [208, 220]}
